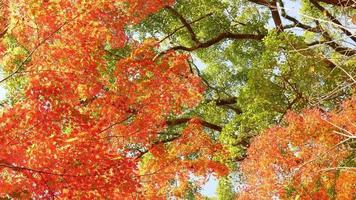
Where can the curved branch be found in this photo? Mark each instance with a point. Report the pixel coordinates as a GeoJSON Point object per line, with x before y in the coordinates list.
{"type": "Point", "coordinates": [215, 40]}
{"type": "Point", "coordinates": [185, 23]}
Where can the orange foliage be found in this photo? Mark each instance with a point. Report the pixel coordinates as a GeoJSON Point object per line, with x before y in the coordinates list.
{"type": "Point", "coordinates": [301, 159]}
{"type": "Point", "coordinates": [71, 135]}
{"type": "Point", "coordinates": [345, 185]}
{"type": "Point", "coordinates": [189, 155]}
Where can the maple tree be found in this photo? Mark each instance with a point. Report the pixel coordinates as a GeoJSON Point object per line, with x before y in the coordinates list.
{"type": "Point", "coordinates": [302, 160]}
{"type": "Point", "coordinates": [64, 138]}
{"type": "Point", "coordinates": [147, 99]}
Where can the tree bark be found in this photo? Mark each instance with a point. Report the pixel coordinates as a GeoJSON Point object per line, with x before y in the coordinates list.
{"type": "Point", "coordinates": [342, 3]}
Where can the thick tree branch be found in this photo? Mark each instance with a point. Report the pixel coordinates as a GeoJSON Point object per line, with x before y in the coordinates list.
{"type": "Point", "coordinates": [342, 3]}
{"type": "Point", "coordinates": [275, 15]}
{"type": "Point", "coordinates": [215, 40]}
{"type": "Point", "coordinates": [329, 63]}
{"type": "Point", "coordinates": [244, 142]}
{"type": "Point", "coordinates": [180, 121]}
{"type": "Point", "coordinates": [175, 122]}
{"type": "Point", "coordinates": [185, 23]}
{"type": "Point", "coordinates": [272, 5]}
{"type": "Point", "coordinates": [3, 32]}
{"type": "Point", "coordinates": [342, 50]}
{"type": "Point", "coordinates": [228, 102]}
{"type": "Point", "coordinates": [181, 27]}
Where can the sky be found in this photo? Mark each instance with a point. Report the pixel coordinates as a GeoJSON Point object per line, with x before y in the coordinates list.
{"type": "Point", "coordinates": [2, 89]}
{"type": "Point", "coordinates": [209, 189]}
{"type": "Point", "coordinates": [2, 93]}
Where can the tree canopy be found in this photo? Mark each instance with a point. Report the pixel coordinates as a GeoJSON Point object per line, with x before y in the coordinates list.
{"type": "Point", "coordinates": [135, 99]}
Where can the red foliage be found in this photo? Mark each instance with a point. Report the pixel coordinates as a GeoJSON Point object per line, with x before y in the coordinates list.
{"type": "Point", "coordinates": [70, 135]}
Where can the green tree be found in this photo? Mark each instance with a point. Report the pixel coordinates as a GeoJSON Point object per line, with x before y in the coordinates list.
{"type": "Point", "coordinates": [225, 189]}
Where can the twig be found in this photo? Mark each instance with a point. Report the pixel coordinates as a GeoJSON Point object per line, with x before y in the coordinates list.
{"type": "Point", "coordinates": [22, 64]}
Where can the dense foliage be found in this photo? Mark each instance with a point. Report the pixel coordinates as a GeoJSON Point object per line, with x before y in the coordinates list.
{"type": "Point", "coordinates": [303, 158]}
{"type": "Point", "coordinates": [135, 99]}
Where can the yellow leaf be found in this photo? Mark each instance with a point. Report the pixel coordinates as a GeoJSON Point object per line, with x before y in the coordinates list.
{"type": "Point", "coordinates": [72, 139]}
{"type": "Point", "coordinates": [64, 147]}
{"type": "Point", "coordinates": [117, 158]}
{"type": "Point", "coordinates": [325, 13]}
{"type": "Point", "coordinates": [353, 19]}
{"type": "Point", "coordinates": [312, 69]}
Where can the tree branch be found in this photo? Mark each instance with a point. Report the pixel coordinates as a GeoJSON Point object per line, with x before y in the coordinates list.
{"type": "Point", "coordinates": [180, 121]}
{"type": "Point", "coordinates": [330, 42]}
{"type": "Point", "coordinates": [22, 64]}
{"type": "Point", "coordinates": [221, 102]}
{"type": "Point", "coordinates": [333, 19]}
{"type": "Point", "coordinates": [272, 6]}
{"type": "Point", "coordinates": [342, 3]}
{"type": "Point", "coordinates": [215, 40]}
{"type": "Point", "coordinates": [18, 168]}
{"type": "Point", "coordinates": [275, 16]}
{"type": "Point", "coordinates": [116, 123]}
{"type": "Point", "coordinates": [228, 103]}
{"type": "Point", "coordinates": [142, 153]}
{"type": "Point", "coordinates": [338, 48]}
{"type": "Point", "coordinates": [185, 23]}
{"type": "Point", "coordinates": [296, 23]}
{"type": "Point", "coordinates": [179, 28]}
{"type": "Point", "coordinates": [3, 32]}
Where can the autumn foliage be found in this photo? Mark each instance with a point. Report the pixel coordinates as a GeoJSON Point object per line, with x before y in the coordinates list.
{"type": "Point", "coordinates": [303, 159]}
{"type": "Point", "coordinates": [96, 114]}
{"type": "Point", "coordinates": [184, 155]}
{"type": "Point", "coordinates": [71, 135]}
